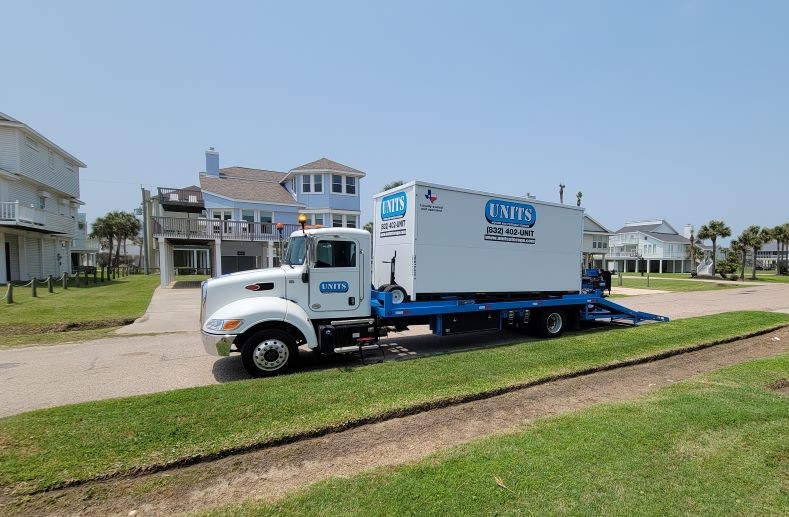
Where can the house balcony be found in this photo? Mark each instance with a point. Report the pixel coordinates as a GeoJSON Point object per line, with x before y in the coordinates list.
{"type": "Point", "coordinates": [85, 245]}
{"type": "Point", "coordinates": [26, 217]}
{"type": "Point", "coordinates": [181, 200]}
{"type": "Point", "coordinates": [209, 229]}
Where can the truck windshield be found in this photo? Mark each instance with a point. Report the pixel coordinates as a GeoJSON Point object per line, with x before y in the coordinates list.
{"type": "Point", "coordinates": [295, 252]}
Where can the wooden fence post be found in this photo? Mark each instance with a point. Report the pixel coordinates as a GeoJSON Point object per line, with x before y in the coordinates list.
{"type": "Point", "coordinates": [33, 287]}
{"type": "Point", "coordinates": [49, 284]}
{"type": "Point", "coordinates": [9, 294]}
{"type": "Point", "coordinates": [94, 276]}
{"type": "Point", "coordinates": [102, 274]}
{"type": "Point", "coordinates": [65, 281]}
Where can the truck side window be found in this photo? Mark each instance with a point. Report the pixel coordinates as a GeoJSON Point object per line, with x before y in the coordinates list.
{"type": "Point", "coordinates": [335, 254]}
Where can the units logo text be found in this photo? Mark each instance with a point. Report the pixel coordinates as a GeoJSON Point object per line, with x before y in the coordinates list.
{"type": "Point", "coordinates": [334, 287]}
{"type": "Point", "coordinates": [510, 221]}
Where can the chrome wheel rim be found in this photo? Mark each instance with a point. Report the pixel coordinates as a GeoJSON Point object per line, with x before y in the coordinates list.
{"type": "Point", "coordinates": [554, 323]}
{"type": "Point", "coordinates": [270, 355]}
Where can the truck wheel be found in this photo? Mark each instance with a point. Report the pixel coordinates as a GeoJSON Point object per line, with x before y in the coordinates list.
{"type": "Point", "coordinates": [398, 293]}
{"type": "Point", "coordinates": [551, 323]}
{"type": "Point", "coordinates": [269, 352]}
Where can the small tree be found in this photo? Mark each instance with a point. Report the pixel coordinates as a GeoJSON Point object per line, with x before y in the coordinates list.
{"type": "Point", "coordinates": [730, 265]}
{"type": "Point", "coordinates": [736, 247]}
{"type": "Point", "coordinates": [368, 226]}
{"type": "Point", "coordinates": [393, 184]}
{"type": "Point", "coordinates": [578, 197]}
{"type": "Point", "coordinates": [712, 230]}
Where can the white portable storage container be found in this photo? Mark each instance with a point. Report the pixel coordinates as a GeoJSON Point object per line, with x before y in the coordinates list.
{"type": "Point", "coordinates": [451, 240]}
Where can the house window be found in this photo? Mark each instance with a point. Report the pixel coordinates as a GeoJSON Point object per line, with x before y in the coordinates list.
{"type": "Point", "coordinates": [265, 217]}
{"type": "Point", "coordinates": [305, 184]}
{"type": "Point", "coordinates": [223, 215]}
{"type": "Point", "coordinates": [317, 181]}
{"type": "Point", "coordinates": [350, 221]}
{"type": "Point", "coordinates": [336, 221]}
{"type": "Point", "coordinates": [350, 185]}
{"type": "Point", "coordinates": [51, 157]}
{"type": "Point", "coordinates": [317, 219]}
{"type": "Point", "coordinates": [336, 183]}
{"type": "Point", "coordinates": [42, 202]}
{"type": "Point", "coordinates": [248, 216]}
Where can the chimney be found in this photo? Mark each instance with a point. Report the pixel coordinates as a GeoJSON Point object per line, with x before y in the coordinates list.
{"type": "Point", "coordinates": [212, 162]}
{"type": "Point", "coordinates": [687, 231]}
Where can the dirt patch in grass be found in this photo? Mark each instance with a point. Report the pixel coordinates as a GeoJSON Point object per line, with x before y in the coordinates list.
{"type": "Point", "coordinates": [68, 326]}
{"type": "Point", "coordinates": [274, 472]}
{"type": "Point", "coordinates": [781, 386]}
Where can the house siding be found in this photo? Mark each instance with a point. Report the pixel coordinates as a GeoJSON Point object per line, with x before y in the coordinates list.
{"type": "Point", "coordinates": [35, 165]}
{"type": "Point", "coordinates": [281, 213]}
{"type": "Point", "coordinates": [33, 254]}
{"type": "Point", "coordinates": [9, 157]}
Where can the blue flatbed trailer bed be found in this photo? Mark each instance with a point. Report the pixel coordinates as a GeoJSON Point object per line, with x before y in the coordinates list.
{"type": "Point", "coordinates": [591, 306]}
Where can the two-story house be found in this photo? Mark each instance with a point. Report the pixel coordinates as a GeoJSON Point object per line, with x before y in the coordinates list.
{"type": "Point", "coordinates": [230, 221]}
{"type": "Point", "coordinates": [39, 202]}
{"type": "Point", "coordinates": [652, 246]}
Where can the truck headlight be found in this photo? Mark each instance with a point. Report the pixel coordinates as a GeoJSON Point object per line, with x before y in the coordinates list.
{"type": "Point", "coordinates": [223, 325]}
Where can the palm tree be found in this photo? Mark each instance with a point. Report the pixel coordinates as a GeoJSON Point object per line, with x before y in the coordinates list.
{"type": "Point", "coordinates": [578, 196]}
{"type": "Point", "coordinates": [561, 193]}
{"type": "Point", "coordinates": [763, 236]}
{"type": "Point", "coordinates": [368, 226]}
{"type": "Point", "coordinates": [104, 231]}
{"type": "Point", "coordinates": [781, 236]}
{"type": "Point", "coordinates": [712, 230]}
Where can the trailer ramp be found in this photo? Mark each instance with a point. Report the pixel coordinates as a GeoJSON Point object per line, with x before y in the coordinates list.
{"type": "Point", "coordinates": [601, 308]}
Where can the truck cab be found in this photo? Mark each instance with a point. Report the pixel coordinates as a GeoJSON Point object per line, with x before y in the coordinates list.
{"type": "Point", "coordinates": [267, 313]}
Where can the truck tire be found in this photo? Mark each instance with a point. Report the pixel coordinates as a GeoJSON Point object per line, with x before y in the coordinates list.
{"type": "Point", "coordinates": [398, 293]}
{"type": "Point", "coordinates": [269, 352]}
{"type": "Point", "coordinates": [551, 323]}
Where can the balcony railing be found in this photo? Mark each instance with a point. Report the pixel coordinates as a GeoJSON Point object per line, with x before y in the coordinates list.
{"type": "Point", "coordinates": [25, 216]}
{"type": "Point", "coordinates": [89, 245]}
{"type": "Point", "coordinates": [666, 255]}
{"type": "Point", "coordinates": [184, 228]}
{"type": "Point", "coordinates": [181, 200]}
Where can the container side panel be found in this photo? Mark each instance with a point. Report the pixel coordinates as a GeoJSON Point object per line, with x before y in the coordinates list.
{"type": "Point", "coordinates": [474, 242]}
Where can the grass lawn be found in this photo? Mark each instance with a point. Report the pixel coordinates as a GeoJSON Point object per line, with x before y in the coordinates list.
{"type": "Point", "coordinates": [48, 447]}
{"type": "Point", "coordinates": [674, 284]}
{"type": "Point", "coordinates": [60, 316]}
{"type": "Point", "coordinates": [716, 445]}
{"type": "Point", "coordinates": [191, 278]}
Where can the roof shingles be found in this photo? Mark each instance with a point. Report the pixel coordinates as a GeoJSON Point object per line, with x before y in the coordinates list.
{"type": "Point", "coordinates": [245, 184]}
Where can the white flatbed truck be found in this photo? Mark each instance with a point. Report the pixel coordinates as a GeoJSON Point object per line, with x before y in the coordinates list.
{"type": "Point", "coordinates": [454, 259]}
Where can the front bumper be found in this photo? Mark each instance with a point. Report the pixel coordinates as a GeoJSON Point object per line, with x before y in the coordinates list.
{"type": "Point", "coordinates": [218, 344]}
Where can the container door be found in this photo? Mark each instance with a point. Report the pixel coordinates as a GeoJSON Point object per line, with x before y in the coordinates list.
{"type": "Point", "coordinates": [335, 276]}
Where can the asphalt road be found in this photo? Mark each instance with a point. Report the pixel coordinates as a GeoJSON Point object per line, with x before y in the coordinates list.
{"type": "Point", "coordinates": [131, 364]}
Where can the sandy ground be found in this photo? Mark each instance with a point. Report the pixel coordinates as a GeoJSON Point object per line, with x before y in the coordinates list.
{"type": "Point", "coordinates": [273, 472]}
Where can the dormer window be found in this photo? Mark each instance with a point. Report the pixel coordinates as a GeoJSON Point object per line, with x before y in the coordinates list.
{"type": "Point", "coordinates": [350, 185]}
{"type": "Point", "coordinates": [306, 186]}
{"type": "Point", "coordinates": [336, 184]}
{"type": "Point", "coordinates": [317, 182]}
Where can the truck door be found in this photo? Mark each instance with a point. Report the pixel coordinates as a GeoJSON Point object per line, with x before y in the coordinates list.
{"type": "Point", "coordinates": [335, 276]}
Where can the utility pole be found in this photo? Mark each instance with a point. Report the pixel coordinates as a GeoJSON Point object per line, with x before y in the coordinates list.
{"type": "Point", "coordinates": [146, 197]}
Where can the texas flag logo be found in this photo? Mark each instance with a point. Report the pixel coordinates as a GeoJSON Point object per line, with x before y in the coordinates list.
{"type": "Point", "coordinates": [431, 197]}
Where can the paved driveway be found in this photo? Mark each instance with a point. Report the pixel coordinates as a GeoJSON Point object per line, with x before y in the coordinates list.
{"type": "Point", "coordinates": [131, 364]}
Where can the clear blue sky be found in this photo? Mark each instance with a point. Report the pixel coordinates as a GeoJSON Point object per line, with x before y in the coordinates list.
{"type": "Point", "coordinates": [674, 109]}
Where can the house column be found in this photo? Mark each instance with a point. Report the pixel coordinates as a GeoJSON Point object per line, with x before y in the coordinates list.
{"type": "Point", "coordinates": [217, 257]}
{"type": "Point", "coordinates": [270, 246]}
{"type": "Point", "coordinates": [24, 273]}
{"type": "Point", "coordinates": [41, 256]}
{"type": "Point", "coordinates": [164, 263]}
{"type": "Point", "coordinates": [660, 267]}
{"type": "Point", "coordinates": [3, 274]}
